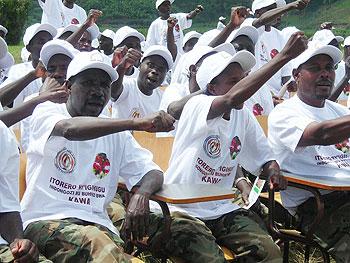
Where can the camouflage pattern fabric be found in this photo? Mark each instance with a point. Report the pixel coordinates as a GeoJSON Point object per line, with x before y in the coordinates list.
{"type": "Point", "coordinates": [7, 257]}
{"type": "Point", "coordinates": [196, 241]}
{"type": "Point", "coordinates": [73, 241]}
{"type": "Point", "coordinates": [333, 232]}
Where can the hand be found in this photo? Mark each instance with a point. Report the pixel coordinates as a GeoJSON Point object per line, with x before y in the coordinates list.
{"type": "Point", "coordinates": [300, 4]}
{"type": "Point", "coordinates": [238, 15]}
{"type": "Point", "coordinates": [172, 21]}
{"type": "Point", "coordinates": [199, 9]}
{"type": "Point", "coordinates": [159, 122]}
{"type": "Point", "coordinates": [276, 100]}
{"type": "Point", "coordinates": [137, 218]}
{"type": "Point", "coordinates": [118, 55]}
{"type": "Point", "coordinates": [296, 45]}
{"type": "Point", "coordinates": [271, 171]}
{"type": "Point", "coordinates": [131, 58]}
{"type": "Point", "coordinates": [40, 70]}
{"type": "Point", "coordinates": [54, 91]}
{"type": "Point", "coordinates": [24, 251]}
{"type": "Point", "coordinates": [244, 187]}
{"type": "Point", "coordinates": [93, 16]}
{"type": "Point", "coordinates": [326, 25]}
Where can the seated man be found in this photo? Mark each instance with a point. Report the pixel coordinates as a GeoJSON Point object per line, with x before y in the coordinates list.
{"type": "Point", "coordinates": [75, 159]}
{"type": "Point", "coordinates": [214, 134]}
{"type": "Point", "coordinates": [141, 96]}
{"type": "Point", "coordinates": [310, 136]}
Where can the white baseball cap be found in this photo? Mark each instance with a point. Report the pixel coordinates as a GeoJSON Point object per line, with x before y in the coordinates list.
{"type": "Point", "coordinates": [36, 28]}
{"type": "Point", "coordinates": [6, 59]}
{"type": "Point", "coordinates": [190, 35]}
{"type": "Point", "coordinates": [207, 37]}
{"type": "Point", "coordinates": [248, 31]}
{"type": "Point", "coordinates": [159, 51]}
{"type": "Point", "coordinates": [258, 4]}
{"type": "Point", "coordinates": [347, 41]}
{"type": "Point", "coordinates": [3, 29]}
{"type": "Point", "coordinates": [91, 60]}
{"type": "Point", "coordinates": [108, 33]}
{"type": "Point", "coordinates": [215, 64]}
{"type": "Point", "coordinates": [326, 36]}
{"type": "Point", "coordinates": [94, 31]}
{"type": "Point", "coordinates": [70, 28]}
{"type": "Point", "coordinates": [3, 48]}
{"type": "Point", "coordinates": [125, 32]}
{"type": "Point", "coordinates": [55, 47]}
{"type": "Point", "coordinates": [159, 2]}
{"type": "Point", "coordinates": [316, 48]}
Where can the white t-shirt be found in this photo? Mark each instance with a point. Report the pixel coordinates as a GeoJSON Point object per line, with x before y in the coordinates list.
{"type": "Point", "coordinates": [287, 123]}
{"type": "Point", "coordinates": [132, 103]}
{"type": "Point", "coordinates": [77, 178]}
{"type": "Point", "coordinates": [19, 71]}
{"type": "Point", "coordinates": [208, 152]}
{"type": "Point", "coordinates": [157, 31]}
{"type": "Point", "coordinates": [9, 161]}
{"type": "Point", "coordinates": [58, 15]}
{"type": "Point", "coordinates": [339, 74]}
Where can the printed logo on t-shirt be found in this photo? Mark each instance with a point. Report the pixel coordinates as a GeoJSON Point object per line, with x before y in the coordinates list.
{"type": "Point", "coordinates": [65, 161]}
{"type": "Point", "coordinates": [135, 113]}
{"type": "Point", "coordinates": [74, 21]}
{"type": "Point", "coordinates": [273, 53]}
{"type": "Point", "coordinates": [212, 146]}
{"type": "Point", "coordinates": [96, 57]}
{"type": "Point", "coordinates": [346, 90]}
{"type": "Point", "coordinates": [177, 28]}
{"type": "Point", "coordinates": [101, 166]}
{"type": "Point", "coordinates": [263, 54]}
{"type": "Point", "coordinates": [258, 109]}
{"type": "Point", "coordinates": [235, 147]}
{"type": "Point", "coordinates": [343, 146]}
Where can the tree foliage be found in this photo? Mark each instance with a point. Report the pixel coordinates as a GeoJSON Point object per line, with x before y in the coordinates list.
{"type": "Point", "coordinates": [12, 16]}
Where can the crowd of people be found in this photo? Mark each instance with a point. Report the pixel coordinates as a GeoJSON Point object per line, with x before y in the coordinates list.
{"type": "Point", "coordinates": [80, 93]}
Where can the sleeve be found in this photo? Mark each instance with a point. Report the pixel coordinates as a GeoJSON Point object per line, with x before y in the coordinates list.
{"type": "Point", "coordinates": [52, 10]}
{"type": "Point", "coordinates": [170, 95]}
{"type": "Point", "coordinates": [256, 150]}
{"type": "Point", "coordinates": [136, 161]}
{"type": "Point", "coordinates": [42, 123]}
{"type": "Point", "coordinates": [9, 163]}
{"type": "Point", "coordinates": [286, 127]}
{"type": "Point", "coordinates": [151, 36]}
{"type": "Point", "coordinates": [195, 113]}
{"type": "Point", "coordinates": [183, 21]}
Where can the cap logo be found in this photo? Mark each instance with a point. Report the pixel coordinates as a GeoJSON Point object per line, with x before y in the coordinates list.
{"type": "Point", "coordinates": [96, 57]}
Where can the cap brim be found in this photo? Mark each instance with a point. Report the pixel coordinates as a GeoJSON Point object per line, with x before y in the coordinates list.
{"type": "Point", "coordinates": [161, 53]}
{"type": "Point", "coordinates": [103, 66]}
{"type": "Point", "coordinates": [46, 27]}
{"type": "Point", "coordinates": [245, 59]}
{"type": "Point", "coordinates": [94, 31]}
{"type": "Point", "coordinates": [117, 42]}
{"type": "Point", "coordinates": [55, 50]}
{"type": "Point", "coordinates": [226, 47]}
{"type": "Point", "coordinates": [7, 61]}
{"type": "Point", "coordinates": [339, 39]}
{"type": "Point", "coordinates": [248, 31]}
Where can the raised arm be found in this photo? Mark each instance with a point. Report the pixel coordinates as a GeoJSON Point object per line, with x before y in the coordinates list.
{"type": "Point", "coordinates": [195, 12]}
{"type": "Point", "coordinates": [245, 88]}
{"type": "Point", "coordinates": [271, 15]}
{"type": "Point", "coordinates": [172, 21]}
{"type": "Point", "coordinates": [88, 128]}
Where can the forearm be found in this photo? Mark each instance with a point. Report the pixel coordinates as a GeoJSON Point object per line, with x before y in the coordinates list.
{"type": "Point", "coordinates": [171, 42]}
{"type": "Point", "coordinates": [11, 226]}
{"type": "Point", "coordinates": [117, 86]}
{"type": "Point", "coordinates": [223, 35]}
{"type": "Point", "coordinates": [338, 90]}
{"type": "Point", "coordinates": [192, 14]}
{"type": "Point", "coordinates": [9, 93]}
{"type": "Point", "coordinates": [75, 37]}
{"type": "Point", "coordinates": [150, 182]}
{"type": "Point", "coordinates": [175, 108]}
{"type": "Point", "coordinates": [88, 128]}
{"type": "Point", "coordinates": [14, 115]}
{"type": "Point", "coordinates": [271, 15]}
{"type": "Point", "coordinates": [269, 168]}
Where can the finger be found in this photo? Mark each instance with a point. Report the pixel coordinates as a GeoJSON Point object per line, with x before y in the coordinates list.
{"type": "Point", "coordinates": [31, 256]}
{"type": "Point", "coordinates": [134, 227]}
{"type": "Point", "coordinates": [127, 227]}
{"type": "Point", "coordinates": [141, 227]}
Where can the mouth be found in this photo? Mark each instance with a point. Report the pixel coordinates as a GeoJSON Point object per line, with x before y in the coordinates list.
{"type": "Point", "coordinates": [98, 104]}
{"type": "Point", "coordinates": [152, 80]}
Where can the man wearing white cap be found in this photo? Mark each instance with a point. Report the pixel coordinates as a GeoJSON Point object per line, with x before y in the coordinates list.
{"type": "Point", "coordinates": [157, 32]}
{"type": "Point", "coordinates": [141, 96]}
{"type": "Point", "coordinates": [106, 42]}
{"type": "Point", "coordinates": [6, 61]}
{"type": "Point", "coordinates": [3, 31]}
{"type": "Point", "coordinates": [74, 161]}
{"type": "Point", "coordinates": [61, 13]}
{"type": "Point", "coordinates": [310, 137]}
{"type": "Point", "coordinates": [190, 39]}
{"type": "Point", "coordinates": [214, 134]}
{"type": "Point", "coordinates": [24, 79]}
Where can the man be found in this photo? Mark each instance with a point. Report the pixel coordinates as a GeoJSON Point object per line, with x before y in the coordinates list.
{"type": "Point", "coordinates": [65, 32]}
{"type": "Point", "coordinates": [310, 136]}
{"type": "Point", "coordinates": [74, 161]}
{"type": "Point", "coordinates": [214, 135]}
{"type": "Point", "coordinates": [141, 96]}
{"type": "Point", "coordinates": [190, 40]}
{"type": "Point", "coordinates": [157, 32]}
{"type": "Point", "coordinates": [106, 42]}
{"type": "Point", "coordinates": [61, 13]}
{"type": "Point", "coordinates": [25, 79]}
{"type": "Point", "coordinates": [6, 61]}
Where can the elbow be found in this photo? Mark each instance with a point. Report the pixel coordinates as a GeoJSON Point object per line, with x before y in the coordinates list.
{"type": "Point", "coordinates": [325, 137]}
{"type": "Point", "coordinates": [66, 130]}
{"type": "Point", "coordinates": [174, 111]}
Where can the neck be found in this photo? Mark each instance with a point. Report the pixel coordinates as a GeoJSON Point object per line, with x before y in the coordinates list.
{"type": "Point", "coordinates": [68, 4]}
{"type": "Point", "coordinates": [35, 62]}
{"type": "Point", "coordinates": [164, 16]}
{"type": "Point", "coordinates": [143, 89]}
{"type": "Point", "coordinates": [70, 110]}
{"type": "Point", "coordinates": [312, 102]}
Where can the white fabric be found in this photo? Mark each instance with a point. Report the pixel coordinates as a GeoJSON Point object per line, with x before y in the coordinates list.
{"type": "Point", "coordinates": [287, 123]}
{"type": "Point", "coordinates": [9, 161]}
{"type": "Point", "coordinates": [157, 31]}
{"type": "Point", "coordinates": [19, 71]}
{"type": "Point", "coordinates": [58, 15]}
{"type": "Point", "coordinates": [208, 152]}
{"type": "Point", "coordinates": [339, 74]}
{"type": "Point", "coordinates": [261, 102]}
{"type": "Point", "coordinates": [132, 103]}
{"type": "Point", "coordinates": [57, 169]}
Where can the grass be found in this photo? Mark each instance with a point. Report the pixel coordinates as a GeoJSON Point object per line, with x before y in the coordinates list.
{"type": "Point", "coordinates": [16, 52]}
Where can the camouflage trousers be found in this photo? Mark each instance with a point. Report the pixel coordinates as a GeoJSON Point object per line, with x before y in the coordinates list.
{"type": "Point", "coordinates": [333, 232]}
{"type": "Point", "coordinates": [72, 241]}
{"type": "Point", "coordinates": [193, 240]}
{"type": "Point", "coordinates": [7, 257]}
